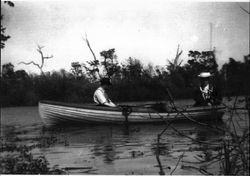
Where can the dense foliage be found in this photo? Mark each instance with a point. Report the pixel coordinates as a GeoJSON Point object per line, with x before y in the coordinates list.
{"type": "Point", "coordinates": [18, 159]}
{"type": "Point", "coordinates": [132, 81]}
{"type": "Point", "coordinates": [4, 37]}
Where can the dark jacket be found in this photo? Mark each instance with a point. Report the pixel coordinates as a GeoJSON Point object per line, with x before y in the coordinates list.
{"type": "Point", "coordinates": [215, 97]}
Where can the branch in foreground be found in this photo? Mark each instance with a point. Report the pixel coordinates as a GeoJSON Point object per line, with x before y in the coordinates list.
{"type": "Point", "coordinates": [181, 156]}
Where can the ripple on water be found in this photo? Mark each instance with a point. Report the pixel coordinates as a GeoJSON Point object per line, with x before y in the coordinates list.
{"type": "Point", "coordinates": [111, 149]}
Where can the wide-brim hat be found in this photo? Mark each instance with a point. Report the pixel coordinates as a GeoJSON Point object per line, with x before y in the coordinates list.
{"type": "Point", "coordinates": [205, 75]}
{"type": "Point", "coordinates": [105, 81]}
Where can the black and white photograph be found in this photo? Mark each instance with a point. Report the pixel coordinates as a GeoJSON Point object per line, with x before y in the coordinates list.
{"type": "Point", "coordinates": [125, 87]}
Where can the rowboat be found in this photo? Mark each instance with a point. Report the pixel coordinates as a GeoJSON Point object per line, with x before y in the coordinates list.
{"type": "Point", "coordinates": [53, 113]}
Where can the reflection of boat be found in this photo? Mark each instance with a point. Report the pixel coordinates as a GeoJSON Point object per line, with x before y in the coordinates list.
{"type": "Point", "coordinates": [57, 112]}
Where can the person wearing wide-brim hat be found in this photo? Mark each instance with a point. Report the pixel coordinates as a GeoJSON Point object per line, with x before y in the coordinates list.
{"type": "Point", "coordinates": [207, 93]}
{"type": "Point", "coordinates": [100, 96]}
{"type": "Point", "coordinates": [205, 75]}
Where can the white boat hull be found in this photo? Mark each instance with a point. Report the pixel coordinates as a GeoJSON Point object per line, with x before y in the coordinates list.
{"type": "Point", "coordinates": [55, 112]}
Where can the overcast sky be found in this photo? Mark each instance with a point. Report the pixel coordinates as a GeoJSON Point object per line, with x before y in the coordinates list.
{"type": "Point", "coordinates": [149, 30]}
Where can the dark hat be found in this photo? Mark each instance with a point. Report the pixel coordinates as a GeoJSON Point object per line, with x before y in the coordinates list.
{"type": "Point", "coordinates": [105, 81]}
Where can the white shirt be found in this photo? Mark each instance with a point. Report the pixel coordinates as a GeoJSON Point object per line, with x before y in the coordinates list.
{"type": "Point", "coordinates": [206, 91]}
{"type": "Point", "coordinates": [101, 97]}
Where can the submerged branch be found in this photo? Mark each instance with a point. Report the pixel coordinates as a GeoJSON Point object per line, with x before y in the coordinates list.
{"type": "Point", "coordinates": [181, 156]}
{"type": "Point", "coordinates": [158, 156]}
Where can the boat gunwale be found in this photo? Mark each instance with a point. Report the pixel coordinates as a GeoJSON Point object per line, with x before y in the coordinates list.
{"type": "Point", "coordinates": [135, 109]}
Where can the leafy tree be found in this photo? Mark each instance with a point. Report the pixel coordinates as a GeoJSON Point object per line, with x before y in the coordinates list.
{"type": "Point", "coordinates": [110, 62]}
{"type": "Point", "coordinates": [4, 37]}
{"type": "Point", "coordinates": [161, 72]}
{"type": "Point", "coordinates": [235, 75]}
{"type": "Point", "coordinates": [202, 61]}
{"type": "Point", "coordinates": [21, 75]}
{"type": "Point", "coordinates": [8, 70]}
{"type": "Point", "coordinates": [92, 70]}
{"type": "Point", "coordinates": [107, 67]}
{"type": "Point", "coordinates": [133, 69]}
{"type": "Point", "coordinates": [76, 69]}
{"type": "Point", "coordinates": [148, 71]}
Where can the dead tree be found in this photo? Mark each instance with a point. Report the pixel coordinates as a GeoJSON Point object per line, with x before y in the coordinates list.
{"type": "Point", "coordinates": [86, 40]}
{"type": "Point", "coordinates": [95, 63]}
{"type": "Point", "coordinates": [40, 66]}
{"type": "Point", "coordinates": [177, 57]}
{"type": "Point", "coordinates": [173, 65]}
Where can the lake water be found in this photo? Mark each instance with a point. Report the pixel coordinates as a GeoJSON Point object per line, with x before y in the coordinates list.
{"type": "Point", "coordinates": [112, 149]}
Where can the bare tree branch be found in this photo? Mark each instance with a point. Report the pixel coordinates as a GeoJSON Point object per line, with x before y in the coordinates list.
{"type": "Point", "coordinates": [28, 63]}
{"type": "Point", "coordinates": [87, 41]}
{"type": "Point", "coordinates": [174, 65]}
{"type": "Point", "coordinates": [158, 155]}
{"type": "Point", "coordinates": [32, 62]}
{"type": "Point", "coordinates": [180, 157]}
{"type": "Point", "coordinates": [177, 55]}
{"type": "Point", "coordinates": [95, 60]}
{"type": "Point", "coordinates": [39, 49]}
{"type": "Point", "coordinates": [48, 57]}
{"type": "Point", "coordinates": [245, 10]}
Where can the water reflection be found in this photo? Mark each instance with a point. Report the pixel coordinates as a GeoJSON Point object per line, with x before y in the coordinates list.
{"type": "Point", "coordinates": [113, 149]}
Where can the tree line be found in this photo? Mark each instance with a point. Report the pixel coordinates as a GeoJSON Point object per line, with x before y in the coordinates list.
{"type": "Point", "coordinates": [132, 80]}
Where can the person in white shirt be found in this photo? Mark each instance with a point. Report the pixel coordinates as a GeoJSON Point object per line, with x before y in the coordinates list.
{"type": "Point", "coordinates": [100, 96]}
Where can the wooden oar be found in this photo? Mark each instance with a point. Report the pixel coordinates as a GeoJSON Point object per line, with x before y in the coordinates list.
{"type": "Point", "coordinates": [126, 110]}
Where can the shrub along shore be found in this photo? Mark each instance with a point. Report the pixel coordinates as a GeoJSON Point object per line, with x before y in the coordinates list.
{"type": "Point", "coordinates": [132, 81]}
